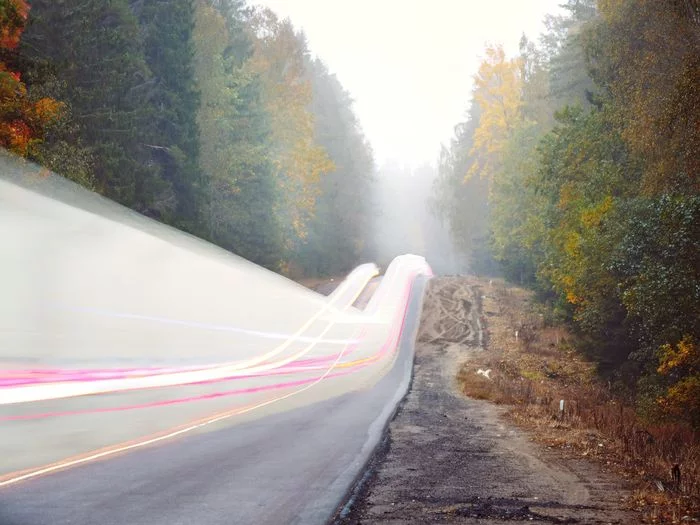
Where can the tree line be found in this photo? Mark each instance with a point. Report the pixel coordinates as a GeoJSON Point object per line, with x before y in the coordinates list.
{"type": "Point", "coordinates": [208, 115]}
{"type": "Point", "coordinates": [576, 173]}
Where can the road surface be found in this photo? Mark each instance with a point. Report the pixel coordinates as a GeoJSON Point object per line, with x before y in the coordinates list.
{"type": "Point", "coordinates": [149, 377]}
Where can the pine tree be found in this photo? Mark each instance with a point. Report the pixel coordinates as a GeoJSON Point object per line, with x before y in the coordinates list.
{"type": "Point", "coordinates": [339, 234]}
{"type": "Point", "coordinates": [89, 54]}
{"type": "Point", "coordinates": [238, 180]}
{"type": "Point", "coordinates": [173, 100]}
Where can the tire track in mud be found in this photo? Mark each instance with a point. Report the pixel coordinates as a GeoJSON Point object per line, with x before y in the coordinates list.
{"type": "Point", "coordinates": [451, 314]}
{"type": "Point", "coordinates": [449, 459]}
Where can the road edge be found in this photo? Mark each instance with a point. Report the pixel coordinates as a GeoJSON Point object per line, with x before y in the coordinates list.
{"type": "Point", "coordinates": [358, 470]}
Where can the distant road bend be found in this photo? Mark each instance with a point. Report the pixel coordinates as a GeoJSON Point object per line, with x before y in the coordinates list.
{"type": "Point", "coordinates": [148, 377]}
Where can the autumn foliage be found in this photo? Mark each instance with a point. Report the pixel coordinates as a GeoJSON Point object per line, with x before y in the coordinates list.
{"type": "Point", "coordinates": [681, 364]}
{"type": "Point", "coordinates": [13, 17]}
{"type": "Point", "coordinates": [280, 59]}
{"type": "Point", "coordinates": [497, 91]}
{"type": "Point", "coordinates": [23, 121]}
{"type": "Point", "coordinates": [587, 145]}
{"type": "Point", "coordinates": [209, 116]}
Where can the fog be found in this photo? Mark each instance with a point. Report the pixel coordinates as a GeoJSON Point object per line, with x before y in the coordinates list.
{"type": "Point", "coordinates": [406, 224]}
{"type": "Point", "coordinates": [409, 64]}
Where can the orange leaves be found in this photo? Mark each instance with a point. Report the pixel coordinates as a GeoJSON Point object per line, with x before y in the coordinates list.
{"type": "Point", "coordinates": [15, 136]}
{"type": "Point", "coordinates": [48, 109]}
{"type": "Point", "coordinates": [570, 287]}
{"type": "Point", "coordinates": [572, 298]}
{"type": "Point", "coordinates": [12, 137]}
{"type": "Point", "coordinates": [20, 134]}
{"type": "Point", "coordinates": [22, 121]}
{"type": "Point", "coordinates": [13, 16]}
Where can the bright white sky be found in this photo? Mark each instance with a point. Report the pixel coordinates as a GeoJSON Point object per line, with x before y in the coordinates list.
{"type": "Point", "coordinates": [409, 63]}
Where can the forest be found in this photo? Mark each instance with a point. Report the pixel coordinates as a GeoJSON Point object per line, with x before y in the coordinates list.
{"type": "Point", "coordinates": [575, 172]}
{"type": "Point", "coordinates": [208, 115]}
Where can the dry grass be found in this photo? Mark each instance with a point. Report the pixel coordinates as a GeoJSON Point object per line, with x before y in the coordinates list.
{"type": "Point", "coordinates": [537, 368]}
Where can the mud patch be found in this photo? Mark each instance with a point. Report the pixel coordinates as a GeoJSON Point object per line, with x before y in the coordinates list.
{"type": "Point", "coordinates": [450, 314]}
{"type": "Point", "coordinates": [449, 459]}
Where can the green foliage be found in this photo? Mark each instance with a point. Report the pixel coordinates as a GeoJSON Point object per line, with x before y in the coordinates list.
{"type": "Point", "coordinates": [595, 191]}
{"type": "Point", "coordinates": [338, 237]}
{"type": "Point", "coordinates": [655, 261]}
{"type": "Point", "coordinates": [570, 81]}
{"type": "Point", "coordinates": [172, 101]}
{"type": "Point", "coordinates": [91, 57]}
{"type": "Point", "coordinates": [517, 228]}
{"type": "Point", "coordinates": [197, 113]}
{"type": "Point", "coordinates": [463, 204]}
{"type": "Point", "coordinates": [238, 188]}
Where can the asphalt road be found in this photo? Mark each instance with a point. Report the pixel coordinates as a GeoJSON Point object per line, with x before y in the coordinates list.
{"type": "Point", "coordinates": [149, 377]}
{"type": "Point", "coordinates": [291, 467]}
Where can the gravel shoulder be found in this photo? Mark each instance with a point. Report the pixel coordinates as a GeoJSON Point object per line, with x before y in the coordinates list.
{"type": "Point", "coordinates": [450, 459]}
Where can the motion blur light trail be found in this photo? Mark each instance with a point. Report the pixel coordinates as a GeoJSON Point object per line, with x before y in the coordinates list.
{"type": "Point", "coordinates": [205, 335]}
{"type": "Point", "coordinates": [346, 366]}
{"type": "Point", "coordinates": [85, 382]}
{"type": "Point", "coordinates": [225, 393]}
{"type": "Point", "coordinates": [389, 346]}
{"type": "Point", "coordinates": [21, 379]}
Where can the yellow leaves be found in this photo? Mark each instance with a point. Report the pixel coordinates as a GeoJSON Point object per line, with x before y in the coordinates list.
{"type": "Point", "coordinates": [568, 285]}
{"type": "Point", "coordinates": [682, 399]}
{"type": "Point", "coordinates": [651, 57]}
{"type": "Point", "coordinates": [567, 195]}
{"type": "Point", "coordinates": [572, 298]}
{"type": "Point", "coordinates": [572, 245]}
{"type": "Point", "coordinates": [497, 91]}
{"type": "Point", "coordinates": [211, 34]}
{"type": "Point", "coordinates": [592, 217]}
{"type": "Point", "coordinates": [575, 240]}
{"type": "Point", "coordinates": [609, 9]}
{"type": "Point", "coordinates": [217, 108]}
{"type": "Point", "coordinates": [279, 61]}
{"type": "Point", "coordinates": [685, 354]}
{"type": "Point", "coordinates": [300, 170]}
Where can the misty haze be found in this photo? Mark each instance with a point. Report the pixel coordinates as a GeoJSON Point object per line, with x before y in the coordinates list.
{"type": "Point", "coordinates": [349, 262]}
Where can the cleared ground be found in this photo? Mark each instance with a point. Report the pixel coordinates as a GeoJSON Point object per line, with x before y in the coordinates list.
{"type": "Point", "coordinates": [450, 459]}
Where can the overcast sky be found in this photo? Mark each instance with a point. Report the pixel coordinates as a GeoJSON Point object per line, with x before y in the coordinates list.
{"type": "Point", "coordinates": [409, 63]}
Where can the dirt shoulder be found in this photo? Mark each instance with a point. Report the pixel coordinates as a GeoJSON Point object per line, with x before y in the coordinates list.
{"type": "Point", "coordinates": [322, 285]}
{"type": "Point", "coordinates": [451, 459]}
